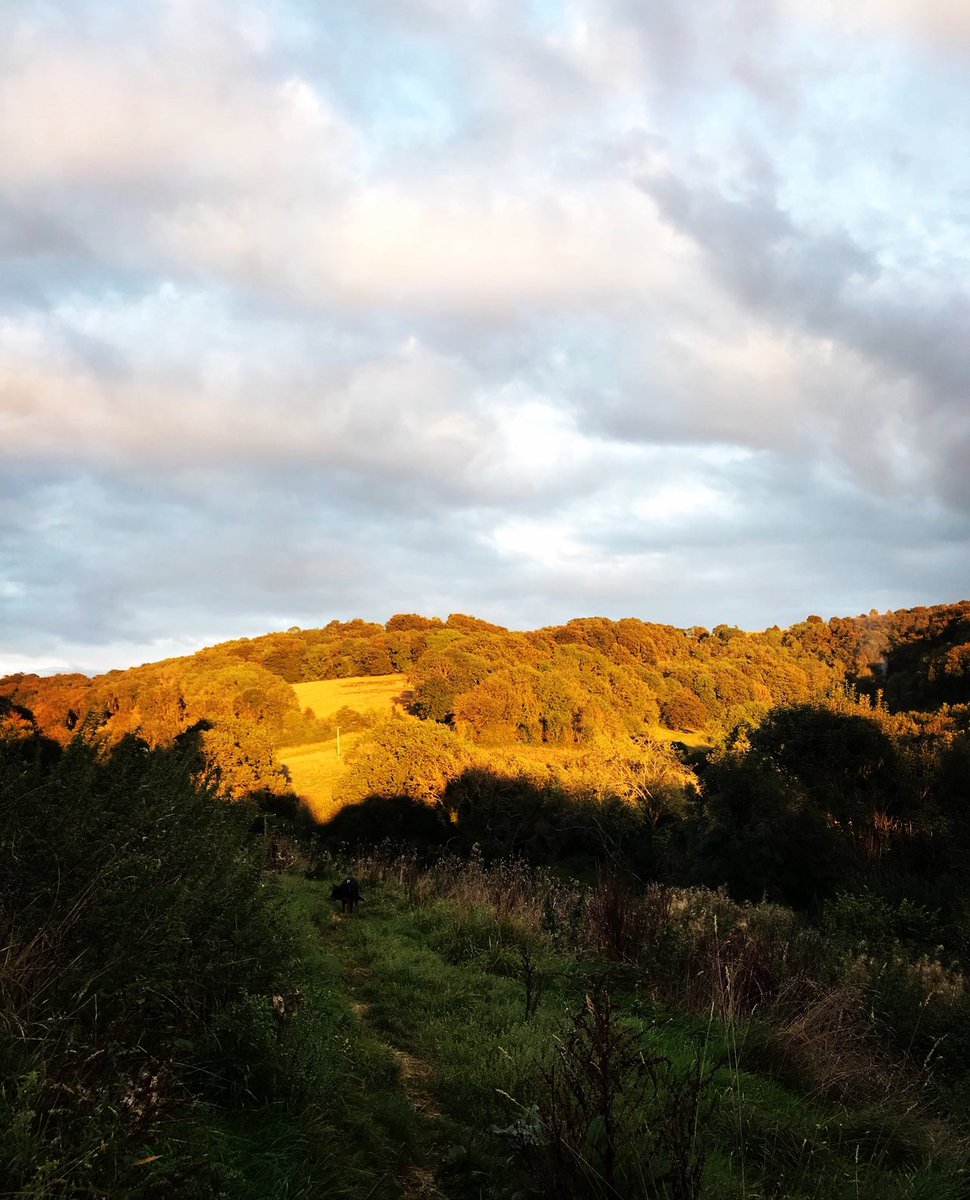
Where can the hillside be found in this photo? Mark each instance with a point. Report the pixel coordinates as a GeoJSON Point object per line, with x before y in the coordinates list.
{"type": "Point", "coordinates": [316, 767]}
{"type": "Point", "coordinates": [540, 703]}
{"type": "Point", "coordinates": [733, 867]}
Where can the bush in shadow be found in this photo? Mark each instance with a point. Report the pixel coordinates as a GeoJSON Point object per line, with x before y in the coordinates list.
{"type": "Point", "coordinates": [507, 816]}
{"type": "Point", "coordinates": [396, 818]}
{"type": "Point", "coordinates": [133, 914]}
{"type": "Point", "coordinates": [764, 839]}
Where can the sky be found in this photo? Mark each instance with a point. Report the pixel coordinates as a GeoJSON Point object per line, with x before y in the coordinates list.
{"type": "Point", "coordinates": [530, 309]}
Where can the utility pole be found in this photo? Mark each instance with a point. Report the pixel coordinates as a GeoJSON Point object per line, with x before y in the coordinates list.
{"type": "Point", "coordinates": [338, 741]}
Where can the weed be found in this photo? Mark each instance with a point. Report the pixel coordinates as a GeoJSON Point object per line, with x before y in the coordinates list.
{"type": "Point", "coordinates": [613, 1117]}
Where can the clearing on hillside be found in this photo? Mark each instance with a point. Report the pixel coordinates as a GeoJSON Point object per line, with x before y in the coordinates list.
{"type": "Point", "coordinates": [315, 766]}
{"type": "Point", "coordinates": [314, 769]}
{"type": "Point", "coordinates": [363, 693]}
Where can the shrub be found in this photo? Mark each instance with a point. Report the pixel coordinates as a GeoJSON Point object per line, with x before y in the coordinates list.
{"type": "Point", "coordinates": [136, 921]}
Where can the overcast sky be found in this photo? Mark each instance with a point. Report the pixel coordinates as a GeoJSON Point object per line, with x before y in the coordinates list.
{"type": "Point", "coordinates": [530, 309]}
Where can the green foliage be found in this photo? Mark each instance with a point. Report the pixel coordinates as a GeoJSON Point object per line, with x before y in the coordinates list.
{"type": "Point", "coordinates": [847, 759]}
{"type": "Point", "coordinates": [926, 657]}
{"type": "Point", "coordinates": [151, 1002]}
{"type": "Point", "coordinates": [402, 757]}
{"type": "Point", "coordinates": [859, 923]}
{"type": "Point", "coordinates": [503, 815]}
{"type": "Point", "coordinates": [607, 1085]}
{"type": "Point", "coordinates": [614, 1116]}
{"type": "Point", "coordinates": [242, 1050]}
{"type": "Point", "coordinates": [348, 657]}
{"type": "Point", "coordinates": [763, 837]}
{"type": "Point", "coordinates": [134, 913]}
{"type": "Point", "coordinates": [561, 702]}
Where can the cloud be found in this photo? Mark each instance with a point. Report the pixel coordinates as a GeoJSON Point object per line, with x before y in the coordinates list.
{"type": "Point", "coordinates": [525, 310]}
{"type": "Point", "coordinates": [937, 23]}
{"type": "Point", "coordinates": [179, 98]}
{"type": "Point", "coordinates": [453, 247]}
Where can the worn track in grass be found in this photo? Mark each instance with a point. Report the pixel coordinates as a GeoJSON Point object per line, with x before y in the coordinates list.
{"type": "Point", "coordinates": [417, 1179]}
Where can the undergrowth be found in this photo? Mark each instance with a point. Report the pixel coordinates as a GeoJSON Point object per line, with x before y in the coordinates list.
{"type": "Point", "coordinates": [592, 1042]}
{"type": "Point", "coordinates": [178, 1020]}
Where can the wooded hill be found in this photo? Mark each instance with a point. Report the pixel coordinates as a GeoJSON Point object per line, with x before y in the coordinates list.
{"type": "Point", "coordinates": [568, 686]}
{"type": "Point", "coordinates": [782, 762]}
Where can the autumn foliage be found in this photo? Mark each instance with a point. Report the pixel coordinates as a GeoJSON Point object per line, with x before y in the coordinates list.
{"type": "Point", "coordinates": [487, 689]}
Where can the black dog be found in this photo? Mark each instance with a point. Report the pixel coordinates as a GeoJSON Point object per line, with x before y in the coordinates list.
{"type": "Point", "coordinates": [348, 893]}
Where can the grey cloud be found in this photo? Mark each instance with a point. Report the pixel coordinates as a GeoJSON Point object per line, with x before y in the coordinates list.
{"type": "Point", "coordinates": [813, 542]}
{"type": "Point", "coordinates": [237, 554]}
{"type": "Point", "coordinates": [691, 50]}
{"type": "Point", "coordinates": [255, 425]}
{"type": "Point", "coordinates": [27, 233]}
{"type": "Point", "coordinates": [758, 252]}
{"type": "Point", "coordinates": [47, 251]}
{"type": "Point", "coordinates": [828, 286]}
{"type": "Point", "coordinates": [225, 552]}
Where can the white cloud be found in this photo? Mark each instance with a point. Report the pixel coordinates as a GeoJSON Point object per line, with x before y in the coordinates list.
{"type": "Point", "coordinates": [151, 118]}
{"type": "Point", "coordinates": [529, 310]}
{"type": "Point", "coordinates": [457, 245]}
{"type": "Point", "coordinates": [940, 23]}
{"type": "Point", "coordinates": [544, 543]}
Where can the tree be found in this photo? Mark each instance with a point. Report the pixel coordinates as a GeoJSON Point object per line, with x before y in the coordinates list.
{"type": "Point", "coordinates": [684, 711]}
{"type": "Point", "coordinates": [411, 623]}
{"type": "Point", "coordinates": [439, 677]}
{"type": "Point", "coordinates": [502, 708]}
{"type": "Point", "coordinates": [764, 839]}
{"type": "Point", "coordinates": [844, 759]}
{"type": "Point", "coordinates": [403, 757]}
{"type": "Point", "coordinates": [561, 702]}
{"type": "Point", "coordinates": [239, 761]}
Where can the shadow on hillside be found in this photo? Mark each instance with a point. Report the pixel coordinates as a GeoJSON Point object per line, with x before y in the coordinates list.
{"type": "Point", "coordinates": [501, 816]}
{"type": "Point", "coordinates": [398, 818]}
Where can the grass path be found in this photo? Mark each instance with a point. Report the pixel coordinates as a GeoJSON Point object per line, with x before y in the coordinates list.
{"type": "Point", "coordinates": [403, 1133]}
{"type": "Point", "coordinates": [433, 994]}
{"type": "Point", "coordinates": [417, 1179]}
{"type": "Point", "coordinates": [415, 1076]}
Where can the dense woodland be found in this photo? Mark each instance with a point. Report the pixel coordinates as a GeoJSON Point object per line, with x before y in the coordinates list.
{"type": "Point", "coordinates": [807, 790]}
{"type": "Point", "coordinates": [570, 685]}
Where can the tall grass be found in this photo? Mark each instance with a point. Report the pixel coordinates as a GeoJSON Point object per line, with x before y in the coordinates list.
{"type": "Point", "coordinates": [777, 1065]}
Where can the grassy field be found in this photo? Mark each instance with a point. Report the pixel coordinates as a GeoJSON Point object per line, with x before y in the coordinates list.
{"type": "Point", "coordinates": [315, 767]}
{"type": "Point", "coordinates": [314, 770]}
{"type": "Point", "coordinates": [362, 693]}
